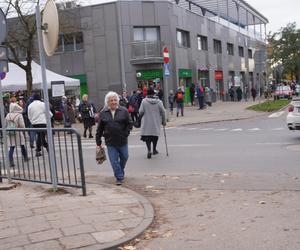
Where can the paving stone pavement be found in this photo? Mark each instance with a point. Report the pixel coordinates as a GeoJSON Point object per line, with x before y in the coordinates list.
{"type": "Point", "coordinates": [31, 217]}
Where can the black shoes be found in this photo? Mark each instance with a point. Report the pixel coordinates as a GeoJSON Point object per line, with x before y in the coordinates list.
{"type": "Point", "coordinates": [84, 135]}
{"type": "Point", "coordinates": [90, 136]}
{"type": "Point", "coordinates": [149, 155]}
{"type": "Point", "coordinates": [38, 154]}
{"type": "Point", "coordinates": [155, 152]}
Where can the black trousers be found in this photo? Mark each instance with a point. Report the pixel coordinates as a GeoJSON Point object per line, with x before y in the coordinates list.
{"type": "Point", "coordinates": [41, 137]}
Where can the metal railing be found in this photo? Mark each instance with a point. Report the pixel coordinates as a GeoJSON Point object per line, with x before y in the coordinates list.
{"type": "Point", "coordinates": [146, 49]}
{"type": "Point", "coordinates": [28, 164]}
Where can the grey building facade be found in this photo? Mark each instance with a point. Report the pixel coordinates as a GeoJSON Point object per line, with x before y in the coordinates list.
{"type": "Point", "coordinates": [119, 45]}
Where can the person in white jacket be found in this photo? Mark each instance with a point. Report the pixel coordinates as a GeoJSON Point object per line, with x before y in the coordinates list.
{"type": "Point", "coordinates": [37, 117]}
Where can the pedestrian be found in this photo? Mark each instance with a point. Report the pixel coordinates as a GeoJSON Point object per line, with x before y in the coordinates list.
{"type": "Point", "coordinates": [231, 93]}
{"type": "Point", "coordinates": [124, 99]}
{"type": "Point", "coordinates": [69, 114]}
{"type": "Point", "coordinates": [160, 93]}
{"type": "Point", "coordinates": [134, 106]}
{"type": "Point", "coordinates": [171, 101]}
{"type": "Point", "coordinates": [62, 104]}
{"type": "Point", "coordinates": [208, 96]}
{"type": "Point", "coordinates": [15, 119]}
{"type": "Point", "coordinates": [87, 112]}
{"type": "Point", "coordinates": [239, 94]}
{"type": "Point", "coordinates": [32, 133]}
{"type": "Point", "coordinates": [192, 93]}
{"type": "Point", "coordinates": [200, 95]}
{"type": "Point", "coordinates": [179, 98]}
{"type": "Point", "coordinates": [253, 93]}
{"type": "Point", "coordinates": [115, 125]}
{"type": "Point", "coordinates": [246, 93]}
{"type": "Point", "coordinates": [37, 117]}
{"type": "Point", "coordinates": [153, 116]}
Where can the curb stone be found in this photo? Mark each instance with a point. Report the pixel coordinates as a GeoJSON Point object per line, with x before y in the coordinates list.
{"type": "Point", "coordinates": [147, 221]}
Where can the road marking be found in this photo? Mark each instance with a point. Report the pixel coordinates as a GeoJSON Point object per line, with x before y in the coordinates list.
{"type": "Point", "coordinates": [253, 129]}
{"type": "Point", "coordinates": [272, 143]}
{"type": "Point", "coordinates": [206, 129]}
{"type": "Point", "coordinates": [170, 128]}
{"type": "Point", "coordinates": [277, 129]}
{"type": "Point", "coordinates": [221, 129]}
{"type": "Point", "coordinates": [191, 128]}
{"type": "Point", "coordinates": [277, 114]}
{"type": "Point", "coordinates": [236, 130]}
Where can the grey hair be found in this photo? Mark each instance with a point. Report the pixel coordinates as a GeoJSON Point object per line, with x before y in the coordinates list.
{"type": "Point", "coordinates": [109, 95]}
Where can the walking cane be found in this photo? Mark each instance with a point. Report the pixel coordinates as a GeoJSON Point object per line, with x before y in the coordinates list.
{"type": "Point", "coordinates": [166, 140]}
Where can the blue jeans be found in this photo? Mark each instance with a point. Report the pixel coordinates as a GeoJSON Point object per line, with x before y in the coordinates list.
{"type": "Point", "coordinates": [180, 108]}
{"type": "Point", "coordinates": [118, 157]}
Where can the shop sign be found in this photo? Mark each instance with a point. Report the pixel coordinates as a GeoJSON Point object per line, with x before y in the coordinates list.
{"type": "Point", "coordinates": [185, 73]}
{"type": "Point", "coordinates": [149, 74]}
{"type": "Point", "coordinates": [218, 75]}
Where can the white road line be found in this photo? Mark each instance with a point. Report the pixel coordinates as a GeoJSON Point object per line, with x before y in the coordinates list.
{"type": "Point", "coordinates": [221, 129]}
{"type": "Point", "coordinates": [236, 130]}
{"type": "Point", "coordinates": [277, 129]}
{"type": "Point", "coordinates": [272, 143]}
{"type": "Point", "coordinates": [253, 129]}
{"type": "Point", "coordinates": [205, 129]}
{"type": "Point", "coordinates": [191, 128]}
{"type": "Point", "coordinates": [170, 128]}
{"type": "Point", "coordinates": [277, 114]}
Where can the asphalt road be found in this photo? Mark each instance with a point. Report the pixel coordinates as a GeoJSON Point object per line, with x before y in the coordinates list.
{"type": "Point", "coordinates": [253, 147]}
{"type": "Point", "coordinates": [227, 185]}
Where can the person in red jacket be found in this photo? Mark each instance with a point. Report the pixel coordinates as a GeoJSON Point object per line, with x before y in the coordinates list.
{"type": "Point", "coordinates": [179, 98]}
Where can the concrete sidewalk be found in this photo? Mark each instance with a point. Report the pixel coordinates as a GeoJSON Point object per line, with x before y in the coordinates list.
{"type": "Point", "coordinates": [31, 217]}
{"type": "Point", "coordinates": [219, 111]}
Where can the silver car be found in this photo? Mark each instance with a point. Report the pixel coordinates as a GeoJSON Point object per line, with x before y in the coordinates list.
{"type": "Point", "coordinates": [293, 117]}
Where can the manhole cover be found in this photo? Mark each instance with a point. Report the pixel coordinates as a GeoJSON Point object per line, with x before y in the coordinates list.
{"type": "Point", "coordinates": [293, 147]}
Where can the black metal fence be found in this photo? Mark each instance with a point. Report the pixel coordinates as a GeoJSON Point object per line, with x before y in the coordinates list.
{"type": "Point", "coordinates": [29, 159]}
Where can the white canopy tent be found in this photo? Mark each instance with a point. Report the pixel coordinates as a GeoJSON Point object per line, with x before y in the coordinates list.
{"type": "Point", "coordinates": [16, 78]}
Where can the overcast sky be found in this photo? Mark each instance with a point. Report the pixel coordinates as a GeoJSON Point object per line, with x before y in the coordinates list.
{"type": "Point", "coordinates": [278, 12]}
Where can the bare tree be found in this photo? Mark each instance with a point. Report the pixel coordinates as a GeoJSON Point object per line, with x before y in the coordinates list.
{"type": "Point", "coordinates": [21, 39]}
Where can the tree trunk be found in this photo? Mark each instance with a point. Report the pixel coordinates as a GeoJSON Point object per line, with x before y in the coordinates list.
{"type": "Point", "coordinates": [29, 80]}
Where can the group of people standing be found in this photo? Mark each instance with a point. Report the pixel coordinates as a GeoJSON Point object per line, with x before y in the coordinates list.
{"type": "Point", "coordinates": [236, 93]}
{"type": "Point", "coordinates": [203, 95]}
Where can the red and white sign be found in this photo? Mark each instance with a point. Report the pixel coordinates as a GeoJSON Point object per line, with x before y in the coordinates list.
{"type": "Point", "coordinates": [166, 55]}
{"type": "Point", "coordinates": [218, 75]}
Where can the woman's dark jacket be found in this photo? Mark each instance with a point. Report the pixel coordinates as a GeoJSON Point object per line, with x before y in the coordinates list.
{"type": "Point", "coordinates": [115, 130]}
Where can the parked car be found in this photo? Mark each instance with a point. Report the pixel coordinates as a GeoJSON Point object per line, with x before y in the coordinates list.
{"type": "Point", "coordinates": [293, 117]}
{"type": "Point", "coordinates": [283, 92]}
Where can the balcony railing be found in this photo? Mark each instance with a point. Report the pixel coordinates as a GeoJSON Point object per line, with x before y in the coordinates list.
{"type": "Point", "coordinates": [146, 52]}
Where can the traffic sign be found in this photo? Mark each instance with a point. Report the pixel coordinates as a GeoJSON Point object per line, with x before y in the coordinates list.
{"type": "Point", "coordinates": [4, 66]}
{"type": "Point", "coordinates": [166, 54]}
{"type": "Point", "coordinates": [2, 75]}
{"type": "Point", "coordinates": [2, 26]}
{"type": "Point", "coordinates": [166, 69]}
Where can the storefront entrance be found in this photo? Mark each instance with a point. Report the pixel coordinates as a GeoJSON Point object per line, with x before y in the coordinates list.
{"type": "Point", "coordinates": [149, 78]}
{"type": "Point", "coordinates": [185, 82]}
{"type": "Point", "coordinates": [219, 85]}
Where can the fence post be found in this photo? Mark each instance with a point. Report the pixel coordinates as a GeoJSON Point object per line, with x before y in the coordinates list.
{"type": "Point", "coordinates": [81, 163]}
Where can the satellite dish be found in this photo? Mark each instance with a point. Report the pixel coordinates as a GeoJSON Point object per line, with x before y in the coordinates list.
{"type": "Point", "coordinates": [50, 26]}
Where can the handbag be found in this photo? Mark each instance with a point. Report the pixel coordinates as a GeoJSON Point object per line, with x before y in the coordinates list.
{"type": "Point", "coordinates": [130, 109]}
{"type": "Point", "coordinates": [100, 155]}
{"type": "Point", "coordinates": [138, 122]}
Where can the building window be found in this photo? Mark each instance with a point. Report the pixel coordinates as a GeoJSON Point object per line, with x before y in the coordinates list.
{"type": "Point", "coordinates": [241, 51]}
{"type": "Point", "coordinates": [250, 53]}
{"type": "Point", "coordinates": [70, 42]}
{"type": "Point", "coordinates": [202, 43]}
{"type": "Point", "coordinates": [217, 47]}
{"type": "Point", "coordinates": [183, 38]}
{"type": "Point", "coordinates": [230, 50]}
{"type": "Point", "coordinates": [146, 34]}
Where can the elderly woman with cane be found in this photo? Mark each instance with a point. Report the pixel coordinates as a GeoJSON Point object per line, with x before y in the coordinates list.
{"type": "Point", "coordinates": [153, 116]}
